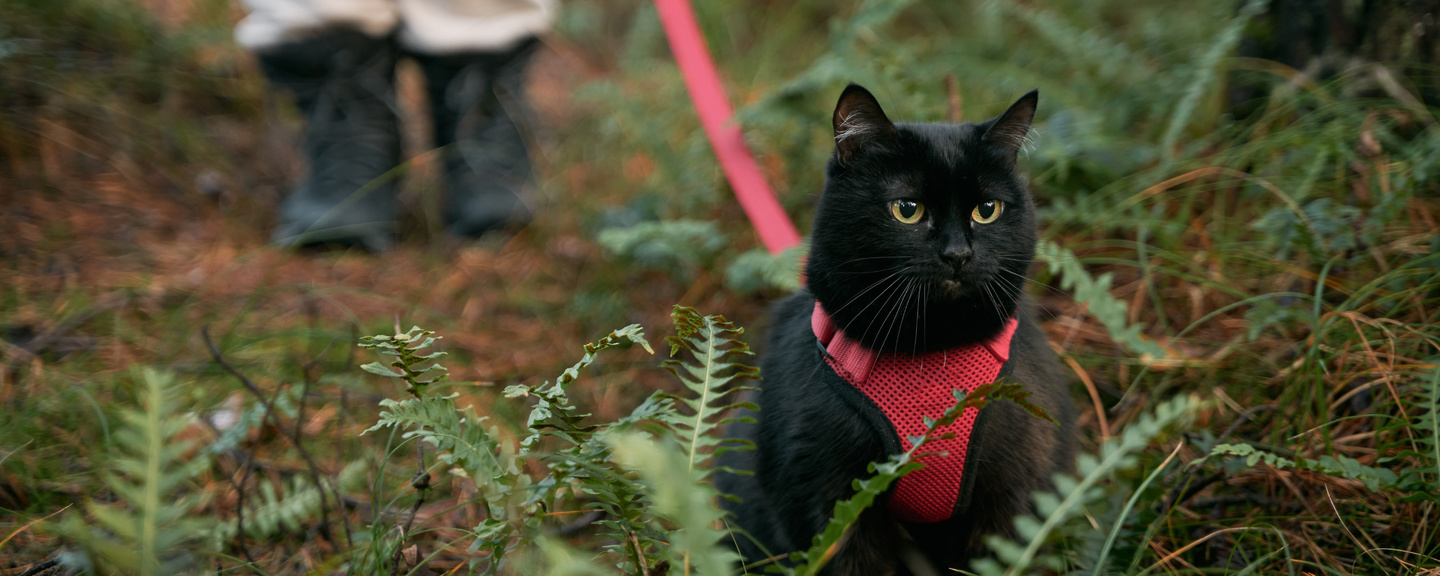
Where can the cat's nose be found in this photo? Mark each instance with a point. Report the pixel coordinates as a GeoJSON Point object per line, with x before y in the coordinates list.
{"type": "Point", "coordinates": [957, 256]}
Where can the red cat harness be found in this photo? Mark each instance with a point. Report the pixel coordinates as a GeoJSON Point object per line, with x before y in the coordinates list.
{"type": "Point", "coordinates": [907, 388]}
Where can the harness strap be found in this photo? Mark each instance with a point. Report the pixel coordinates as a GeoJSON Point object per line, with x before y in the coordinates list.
{"type": "Point", "coordinates": [908, 388]}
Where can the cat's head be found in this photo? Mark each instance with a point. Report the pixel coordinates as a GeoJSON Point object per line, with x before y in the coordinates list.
{"type": "Point", "coordinates": [924, 232]}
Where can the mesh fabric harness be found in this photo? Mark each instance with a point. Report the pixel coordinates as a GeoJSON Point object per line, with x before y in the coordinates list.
{"type": "Point", "coordinates": [908, 388]}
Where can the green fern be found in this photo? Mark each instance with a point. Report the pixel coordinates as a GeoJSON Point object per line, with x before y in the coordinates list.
{"type": "Point", "coordinates": [837, 64]}
{"type": "Point", "coordinates": [677, 491]}
{"type": "Point", "coordinates": [1375, 479]}
{"type": "Point", "coordinates": [517, 503]}
{"type": "Point", "coordinates": [405, 348]}
{"type": "Point", "coordinates": [151, 524]}
{"type": "Point", "coordinates": [682, 247]}
{"type": "Point", "coordinates": [1094, 293]}
{"type": "Point", "coordinates": [560, 559]}
{"type": "Point", "coordinates": [457, 434]}
{"type": "Point", "coordinates": [757, 270]}
{"type": "Point", "coordinates": [1427, 428]}
{"type": "Point", "coordinates": [552, 413]}
{"type": "Point", "coordinates": [710, 381]}
{"type": "Point", "coordinates": [1063, 510]}
{"type": "Point", "coordinates": [275, 514]}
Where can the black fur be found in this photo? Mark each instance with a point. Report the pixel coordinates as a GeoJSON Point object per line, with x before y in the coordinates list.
{"type": "Point", "coordinates": [939, 283]}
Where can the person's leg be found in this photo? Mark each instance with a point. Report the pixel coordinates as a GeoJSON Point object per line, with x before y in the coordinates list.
{"type": "Point", "coordinates": [479, 109]}
{"type": "Point", "coordinates": [340, 66]}
{"type": "Point", "coordinates": [473, 54]}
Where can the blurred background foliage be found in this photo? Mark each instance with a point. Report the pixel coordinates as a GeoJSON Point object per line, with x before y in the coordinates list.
{"type": "Point", "coordinates": [1253, 181]}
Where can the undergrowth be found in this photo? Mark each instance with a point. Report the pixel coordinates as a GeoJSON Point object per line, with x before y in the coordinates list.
{"type": "Point", "coordinates": [1245, 295]}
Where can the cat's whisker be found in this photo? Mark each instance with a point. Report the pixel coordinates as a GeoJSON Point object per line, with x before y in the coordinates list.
{"type": "Point", "coordinates": [1015, 292]}
{"type": "Point", "coordinates": [871, 271]}
{"type": "Point", "coordinates": [919, 318]}
{"type": "Point", "coordinates": [862, 292]}
{"type": "Point", "coordinates": [885, 257]}
{"type": "Point", "coordinates": [899, 313]}
{"type": "Point", "coordinates": [867, 289]}
{"type": "Point", "coordinates": [892, 320]}
{"type": "Point", "coordinates": [880, 312]}
{"type": "Point", "coordinates": [1048, 288]}
{"type": "Point", "coordinates": [925, 315]}
{"type": "Point", "coordinates": [994, 303]}
{"type": "Point", "coordinates": [887, 293]}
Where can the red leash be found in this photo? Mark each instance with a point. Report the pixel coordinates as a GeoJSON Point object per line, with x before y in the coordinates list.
{"type": "Point", "coordinates": [703, 83]}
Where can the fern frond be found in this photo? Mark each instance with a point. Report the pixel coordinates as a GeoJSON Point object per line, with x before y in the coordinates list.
{"type": "Point", "coordinates": [144, 532]}
{"type": "Point", "coordinates": [1342, 466]}
{"type": "Point", "coordinates": [711, 379]}
{"type": "Point", "coordinates": [1079, 492]}
{"type": "Point", "coordinates": [283, 402]}
{"type": "Point", "coordinates": [837, 64]}
{"type": "Point", "coordinates": [1094, 293]}
{"type": "Point", "coordinates": [678, 492]}
{"type": "Point", "coordinates": [758, 270]}
{"type": "Point", "coordinates": [1427, 428]}
{"type": "Point", "coordinates": [405, 348]}
{"type": "Point", "coordinates": [275, 513]}
{"type": "Point", "coordinates": [457, 435]}
{"type": "Point", "coordinates": [552, 413]}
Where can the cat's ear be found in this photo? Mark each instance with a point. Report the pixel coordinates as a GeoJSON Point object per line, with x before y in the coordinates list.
{"type": "Point", "coordinates": [1009, 131]}
{"type": "Point", "coordinates": [858, 121]}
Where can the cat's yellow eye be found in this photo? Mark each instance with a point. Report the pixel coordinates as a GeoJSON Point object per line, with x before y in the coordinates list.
{"type": "Point", "coordinates": [907, 211]}
{"type": "Point", "coordinates": [987, 211]}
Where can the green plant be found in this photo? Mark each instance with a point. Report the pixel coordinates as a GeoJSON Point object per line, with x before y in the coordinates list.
{"type": "Point", "coordinates": [667, 515]}
{"type": "Point", "coordinates": [1338, 466]}
{"type": "Point", "coordinates": [681, 247]}
{"type": "Point", "coordinates": [1064, 514]}
{"type": "Point", "coordinates": [1094, 293]}
{"type": "Point", "coordinates": [150, 528]}
{"type": "Point", "coordinates": [406, 347]}
{"type": "Point", "coordinates": [559, 439]}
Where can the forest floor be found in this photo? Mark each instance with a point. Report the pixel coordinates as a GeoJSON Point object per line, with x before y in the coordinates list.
{"type": "Point", "coordinates": [142, 157]}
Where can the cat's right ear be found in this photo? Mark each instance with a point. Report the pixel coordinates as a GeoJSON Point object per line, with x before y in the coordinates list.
{"type": "Point", "coordinates": [858, 121]}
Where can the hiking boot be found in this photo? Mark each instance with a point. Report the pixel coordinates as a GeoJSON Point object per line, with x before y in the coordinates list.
{"type": "Point", "coordinates": [477, 102]}
{"type": "Point", "coordinates": [343, 83]}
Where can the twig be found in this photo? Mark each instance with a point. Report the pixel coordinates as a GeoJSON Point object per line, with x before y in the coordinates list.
{"type": "Point", "coordinates": [41, 567]}
{"type": "Point", "coordinates": [275, 420]}
{"type": "Point", "coordinates": [307, 380]}
{"type": "Point", "coordinates": [240, 505]}
{"type": "Point", "coordinates": [420, 483]}
{"type": "Point", "coordinates": [639, 557]}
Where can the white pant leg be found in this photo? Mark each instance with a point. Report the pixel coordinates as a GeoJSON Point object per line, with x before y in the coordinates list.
{"type": "Point", "coordinates": [272, 22]}
{"type": "Point", "coordinates": [441, 27]}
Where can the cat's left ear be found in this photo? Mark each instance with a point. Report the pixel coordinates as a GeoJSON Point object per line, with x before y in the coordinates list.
{"type": "Point", "coordinates": [1009, 130]}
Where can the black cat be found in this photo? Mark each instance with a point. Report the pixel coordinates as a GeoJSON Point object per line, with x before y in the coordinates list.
{"type": "Point", "coordinates": [921, 246]}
